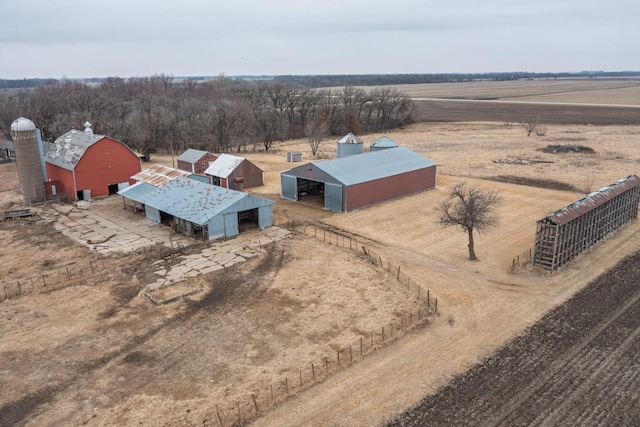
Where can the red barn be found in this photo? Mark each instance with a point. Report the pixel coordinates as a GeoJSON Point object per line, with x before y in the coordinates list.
{"type": "Point", "coordinates": [83, 165]}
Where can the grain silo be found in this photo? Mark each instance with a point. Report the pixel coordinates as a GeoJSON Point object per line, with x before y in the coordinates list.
{"type": "Point", "coordinates": [383, 143]}
{"type": "Point", "coordinates": [349, 145]}
{"type": "Point", "coordinates": [28, 159]}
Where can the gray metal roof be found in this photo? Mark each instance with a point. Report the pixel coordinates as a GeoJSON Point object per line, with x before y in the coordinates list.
{"type": "Point", "coordinates": [137, 191]}
{"type": "Point", "coordinates": [70, 147]}
{"type": "Point", "coordinates": [191, 155]}
{"type": "Point", "coordinates": [384, 142]}
{"type": "Point", "coordinates": [192, 200]}
{"type": "Point", "coordinates": [224, 165]}
{"type": "Point", "coordinates": [593, 200]}
{"type": "Point", "coordinates": [372, 165]}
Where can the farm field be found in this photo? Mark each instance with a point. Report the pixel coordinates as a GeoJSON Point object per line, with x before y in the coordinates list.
{"type": "Point", "coordinates": [101, 354]}
{"type": "Point", "coordinates": [577, 366]}
{"type": "Point", "coordinates": [553, 101]}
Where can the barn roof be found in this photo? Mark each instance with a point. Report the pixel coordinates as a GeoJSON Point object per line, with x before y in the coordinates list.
{"type": "Point", "coordinates": [224, 165]}
{"type": "Point", "coordinates": [158, 175]}
{"type": "Point", "coordinates": [68, 149]}
{"type": "Point", "coordinates": [192, 200]}
{"type": "Point", "coordinates": [371, 165]}
{"type": "Point", "coordinates": [593, 200]}
{"type": "Point", "coordinates": [192, 155]}
{"type": "Point", "coordinates": [137, 191]}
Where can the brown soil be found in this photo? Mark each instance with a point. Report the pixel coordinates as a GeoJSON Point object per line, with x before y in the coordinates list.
{"type": "Point", "coordinates": [101, 354]}
{"type": "Point", "coordinates": [577, 366]}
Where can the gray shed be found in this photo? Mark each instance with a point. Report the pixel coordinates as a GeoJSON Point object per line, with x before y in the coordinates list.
{"type": "Point", "coordinates": [195, 208]}
{"type": "Point", "coordinates": [361, 180]}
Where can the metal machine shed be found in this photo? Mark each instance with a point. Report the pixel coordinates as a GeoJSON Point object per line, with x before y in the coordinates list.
{"type": "Point", "coordinates": [565, 233]}
{"type": "Point", "coordinates": [196, 208]}
{"type": "Point", "coordinates": [361, 180]}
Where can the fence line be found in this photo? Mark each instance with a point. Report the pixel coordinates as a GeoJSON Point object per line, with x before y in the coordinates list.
{"type": "Point", "coordinates": [526, 258]}
{"type": "Point", "coordinates": [75, 273]}
{"type": "Point", "coordinates": [264, 398]}
{"type": "Point", "coordinates": [292, 382]}
{"type": "Point", "coordinates": [338, 239]}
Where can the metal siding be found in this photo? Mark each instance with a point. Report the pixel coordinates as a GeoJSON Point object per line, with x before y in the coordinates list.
{"type": "Point", "coordinates": [265, 216]}
{"type": "Point", "coordinates": [381, 190]}
{"type": "Point", "coordinates": [289, 185]}
{"type": "Point", "coordinates": [215, 227]}
{"type": "Point", "coordinates": [312, 172]}
{"type": "Point", "coordinates": [152, 213]}
{"type": "Point", "coordinates": [231, 224]}
{"type": "Point", "coordinates": [333, 197]}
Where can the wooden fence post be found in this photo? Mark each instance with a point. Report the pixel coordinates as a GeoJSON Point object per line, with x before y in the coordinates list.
{"type": "Point", "coordinates": [313, 372]}
{"type": "Point", "coordinates": [255, 403]}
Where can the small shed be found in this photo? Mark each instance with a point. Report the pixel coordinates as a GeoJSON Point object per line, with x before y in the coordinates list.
{"type": "Point", "coordinates": [235, 173]}
{"type": "Point", "coordinates": [198, 209]}
{"type": "Point", "coordinates": [361, 180]}
{"type": "Point", "coordinates": [294, 156]}
{"type": "Point", "coordinates": [383, 143]}
{"type": "Point", "coordinates": [86, 164]}
{"type": "Point", "coordinates": [7, 151]}
{"type": "Point", "coordinates": [195, 161]}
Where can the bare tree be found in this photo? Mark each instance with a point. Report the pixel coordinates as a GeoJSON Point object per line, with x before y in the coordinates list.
{"type": "Point", "coordinates": [530, 123]}
{"type": "Point", "coordinates": [471, 209]}
{"type": "Point", "coordinates": [315, 131]}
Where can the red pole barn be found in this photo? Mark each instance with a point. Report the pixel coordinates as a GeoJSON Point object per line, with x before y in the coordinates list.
{"type": "Point", "coordinates": [82, 165]}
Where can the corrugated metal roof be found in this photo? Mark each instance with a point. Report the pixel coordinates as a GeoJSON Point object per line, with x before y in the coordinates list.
{"type": "Point", "coordinates": [224, 165]}
{"type": "Point", "coordinates": [138, 191]}
{"type": "Point", "coordinates": [191, 155]}
{"type": "Point", "coordinates": [593, 200]}
{"type": "Point", "coordinates": [159, 175]}
{"type": "Point", "coordinates": [369, 166]}
{"type": "Point", "coordinates": [384, 142]}
{"type": "Point", "coordinates": [350, 139]}
{"type": "Point", "coordinates": [194, 201]}
{"type": "Point", "coordinates": [70, 147]}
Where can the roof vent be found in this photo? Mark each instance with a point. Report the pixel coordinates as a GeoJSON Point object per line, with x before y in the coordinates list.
{"type": "Point", "coordinates": [87, 128]}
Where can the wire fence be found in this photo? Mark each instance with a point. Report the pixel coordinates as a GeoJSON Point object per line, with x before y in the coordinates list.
{"type": "Point", "coordinates": [339, 239]}
{"type": "Point", "coordinates": [525, 258]}
{"type": "Point", "coordinates": [262, 399]}
{"type": "Point", "coordinates": [77, 272]}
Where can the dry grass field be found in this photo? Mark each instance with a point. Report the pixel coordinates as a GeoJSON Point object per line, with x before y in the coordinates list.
{"type": "Point", "coordinates": [99, 353]}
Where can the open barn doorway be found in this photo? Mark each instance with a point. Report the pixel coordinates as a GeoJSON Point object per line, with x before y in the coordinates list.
{"type": "Point", "coordinates": [248, 220]}
{"type": "Point", "coordinates": [310, 192]}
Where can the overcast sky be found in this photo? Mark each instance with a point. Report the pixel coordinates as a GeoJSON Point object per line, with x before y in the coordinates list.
{"type": "Point", "coordinates": [134, 38]}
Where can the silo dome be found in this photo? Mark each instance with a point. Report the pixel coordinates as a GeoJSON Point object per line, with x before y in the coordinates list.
{"type": "Point", "coordinates": [382, 143]}
{"type": "Point", "coordinates": [349, 145]}
{"type": "Point", "coordinates": [22, 125]}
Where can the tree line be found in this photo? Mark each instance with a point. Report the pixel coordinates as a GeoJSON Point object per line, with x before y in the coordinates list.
{"type": "Point", "coordinates": [162, 114]}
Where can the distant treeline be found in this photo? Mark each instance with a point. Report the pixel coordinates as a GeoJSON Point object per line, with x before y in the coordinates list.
{"type": "Point", "coordinates": [316, 81]}
{"type": "Point", "coordinates": [164, 114]}
{"type": "Point", "coordinates": [397, 79]}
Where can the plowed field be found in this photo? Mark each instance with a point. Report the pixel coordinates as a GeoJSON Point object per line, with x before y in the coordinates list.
{"type": "Point", "coordinates": [578, 366]}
